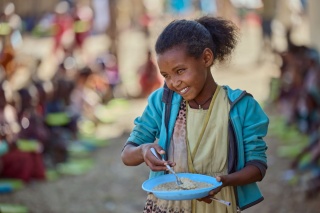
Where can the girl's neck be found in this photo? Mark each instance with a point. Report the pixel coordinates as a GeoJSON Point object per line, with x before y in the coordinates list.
{"type": "Point", "coordinates": [204, 101]}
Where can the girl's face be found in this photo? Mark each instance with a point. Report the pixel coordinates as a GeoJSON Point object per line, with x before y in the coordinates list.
{"type": "Point", "coordinates": [186, 75]}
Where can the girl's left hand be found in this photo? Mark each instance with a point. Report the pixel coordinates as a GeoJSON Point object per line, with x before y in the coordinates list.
{"type": "Point", "coordinates": [215, 191]}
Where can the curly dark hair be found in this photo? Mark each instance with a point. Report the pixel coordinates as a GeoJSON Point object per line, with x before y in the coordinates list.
{"type": "Point", "coordinates": [218, 34]}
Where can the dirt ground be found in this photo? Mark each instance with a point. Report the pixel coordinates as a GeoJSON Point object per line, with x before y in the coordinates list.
{"type": "Point", "coordinates": [111, 187]}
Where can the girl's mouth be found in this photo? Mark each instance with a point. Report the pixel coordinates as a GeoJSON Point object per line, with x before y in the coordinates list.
{"type": "Point", "coordinates": [183, 91]}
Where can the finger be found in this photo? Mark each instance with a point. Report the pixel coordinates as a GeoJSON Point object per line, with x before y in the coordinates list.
{"type": "Point", "coordinates": [155, 161]}
{"type": "Point", "coordinates": [162, 152]}
{"type": "Point", "coordinates": [156, 167]}
{"type": "Point", "coordinates": [207, 200]}
{"type": "Point", "coordinates": [156, 164]}
{"type": "Point", "coordinates": [214, 192]}
{"type": "Point", "coordinates": [159, 149]}
{"type": "Point", "coordinates": [170, 163]}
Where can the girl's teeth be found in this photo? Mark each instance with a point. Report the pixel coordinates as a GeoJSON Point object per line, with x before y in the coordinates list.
{"type": "Point", "coordinates": [185, 89]}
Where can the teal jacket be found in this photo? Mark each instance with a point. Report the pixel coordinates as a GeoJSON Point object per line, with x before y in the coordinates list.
{"type": "Point", "coordinates": [248, 124]}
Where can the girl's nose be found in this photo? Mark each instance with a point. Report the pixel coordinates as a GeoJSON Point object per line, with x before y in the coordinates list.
{"type": "Point", "coordinates": [176, 82]}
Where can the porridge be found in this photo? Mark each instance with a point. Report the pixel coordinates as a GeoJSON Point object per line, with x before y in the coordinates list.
{"type": "Point", "coordinates": [187, 185]}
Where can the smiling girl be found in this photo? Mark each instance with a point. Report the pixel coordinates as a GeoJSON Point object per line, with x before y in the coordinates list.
{"type": "Point", "coordinates": [212, 130]}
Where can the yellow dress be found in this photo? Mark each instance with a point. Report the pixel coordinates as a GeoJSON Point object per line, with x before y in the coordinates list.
{"type": "Point", "coordinates": [208, 149]}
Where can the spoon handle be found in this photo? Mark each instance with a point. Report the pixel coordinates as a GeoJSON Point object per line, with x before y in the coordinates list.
{"type": "Point", "coordinates": [179, 182]}
{"type": "Point", "coordinates": [157, 156]}
{"type": "Point", "coordinates": [227, 203]}
{"type": "Point", "coordinates": [155, 153]}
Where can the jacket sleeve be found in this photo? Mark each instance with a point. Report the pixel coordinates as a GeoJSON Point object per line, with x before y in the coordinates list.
{"type": "Point", "coordinates": [147, 126]}
{"type": "Point", "coordinates": [255, 128]}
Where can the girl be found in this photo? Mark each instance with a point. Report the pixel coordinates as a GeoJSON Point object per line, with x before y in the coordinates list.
{"type": "Point", "coordinates": [212, 130]}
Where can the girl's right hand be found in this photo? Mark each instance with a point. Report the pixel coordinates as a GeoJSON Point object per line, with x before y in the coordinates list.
{"type": "Point", "coordinates": [154, 163]}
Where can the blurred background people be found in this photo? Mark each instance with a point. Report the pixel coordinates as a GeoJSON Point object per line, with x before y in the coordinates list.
{"type": "Point", "coordinates": [149, 77]}
{"type": "Point", "coordinates": [63, 23]}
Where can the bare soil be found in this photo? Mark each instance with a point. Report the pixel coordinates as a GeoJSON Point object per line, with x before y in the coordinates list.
{"type": "Point", "coordinates": [112, 187]}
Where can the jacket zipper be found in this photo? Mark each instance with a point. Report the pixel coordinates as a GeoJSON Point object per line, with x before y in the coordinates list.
{"type": "Point", "coordinates": [235, 160]}
{"type": "Point", "coordinates": [236, 142]}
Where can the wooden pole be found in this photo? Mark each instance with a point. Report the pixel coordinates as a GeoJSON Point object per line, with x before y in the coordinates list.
{"type": "Point", "coordinates": [314, 20]}
{"type": "Point", "coordinates": [112, 31]}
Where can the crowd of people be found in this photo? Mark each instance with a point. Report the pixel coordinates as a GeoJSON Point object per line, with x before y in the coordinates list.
{"type": "Point", "coordinates": [39, 119]}
{"type": "Point", "coordinates": [298, 99]}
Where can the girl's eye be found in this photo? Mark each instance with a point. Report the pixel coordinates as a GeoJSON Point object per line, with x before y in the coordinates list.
{"type": "Point", "coordinates": [180, 71]}
{"type": "Point", "coordinates": [165, 75]}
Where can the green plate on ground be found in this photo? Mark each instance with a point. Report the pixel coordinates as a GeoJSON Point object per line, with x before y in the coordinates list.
{"type": "Point", "coordinates": [109, 113]}
{"type": "Point", "coordinates": [15, 183]}
{"type": "Point", "coordinates": [118, 102]}
{"type": "Point", "coordinates": [289, 151]}
{"type": "Point", "coordinates": [27, 145]}
{"type": "Point", "coordinates": [92, 140]}
{"type": "Point", "coordinates": [52, 175]}
{"type": "Point", "coordinates": [78, 150]}
{"type": "Point", "coordinates": [57, 119]}
{"type": "Point", "coordinates": [13, 208]}
{"type": "Point", "coordinates": [105, 114]}
{"type": "Point", "coordinates": [75, 167]}
{"type": "Point", "coordinates": [86, 127]}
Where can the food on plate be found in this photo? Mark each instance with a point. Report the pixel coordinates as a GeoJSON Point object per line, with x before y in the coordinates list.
{"type": "Point", "coordinates": [188, 184]}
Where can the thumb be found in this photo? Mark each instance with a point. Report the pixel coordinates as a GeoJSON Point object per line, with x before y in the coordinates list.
{"type": "Point", "coordinates": [160, 150]}
{"type": "Point", "coordinates": [218, 178]}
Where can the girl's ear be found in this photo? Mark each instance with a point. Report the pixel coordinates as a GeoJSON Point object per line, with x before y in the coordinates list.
{"type": "Point", "coordinates": [208, 57]}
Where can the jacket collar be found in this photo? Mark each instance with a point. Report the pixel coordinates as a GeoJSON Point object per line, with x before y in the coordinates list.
{"type": "Point", "coordinates": [235, 96]}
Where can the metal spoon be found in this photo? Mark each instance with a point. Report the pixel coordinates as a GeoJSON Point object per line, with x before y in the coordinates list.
{"type": "Point", "coordinates": [227, 203]}
{"type": "Point", "coordinates": [178, 181]}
